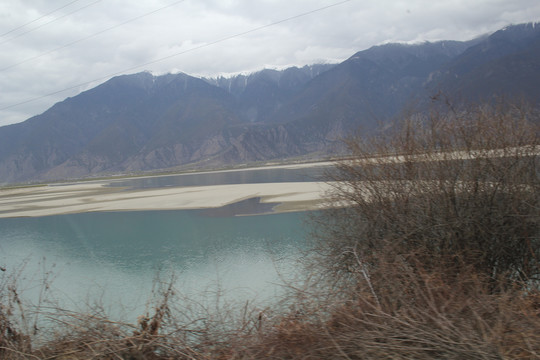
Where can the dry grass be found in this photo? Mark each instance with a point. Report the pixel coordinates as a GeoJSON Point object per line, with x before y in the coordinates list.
{"type": "Point", "coordinates": [410, 314]}
{"type": "Point", "coordinates": [397, 312]}
{"type": "Point", "coordinates": [441, 262]}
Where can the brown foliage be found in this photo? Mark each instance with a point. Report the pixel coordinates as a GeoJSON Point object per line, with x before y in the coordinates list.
{"type": "Point", "coordinates": [397, 312]}
{"type": "Point", "coordinates": [432, 248]}
{"type": "Point", "coordinates": [403, 313]}
{"type": "Point", "coordinates": [459, 187]}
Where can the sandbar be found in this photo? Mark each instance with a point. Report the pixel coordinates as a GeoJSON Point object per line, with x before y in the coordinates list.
{"type": "Point", "coordinates": [97, 196]}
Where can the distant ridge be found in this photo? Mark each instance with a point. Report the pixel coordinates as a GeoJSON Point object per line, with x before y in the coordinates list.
{"type": "Point", "coordinates": [141, 122]}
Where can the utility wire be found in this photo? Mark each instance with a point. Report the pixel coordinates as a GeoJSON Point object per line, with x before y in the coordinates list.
{"type": "Point", "coordinates": [47, 23]}
{"type": "Point", "coordinates": [90, 36]}
{"type": "Point", "coordinates": [176, 54]}
{"type": "Point", "coordinates": [36, 19]}
{"type": "Point", "coordinates": [229, 38]}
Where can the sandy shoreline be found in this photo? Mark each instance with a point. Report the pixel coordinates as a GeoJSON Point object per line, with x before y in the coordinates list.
{"type": "Point", "coordinates": [96, 196]}
{"type": "Point", "coordinates": [269, 166]}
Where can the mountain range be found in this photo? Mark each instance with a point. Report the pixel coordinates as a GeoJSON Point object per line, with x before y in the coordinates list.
{"type": "Point", "coordinates": [141, 122]}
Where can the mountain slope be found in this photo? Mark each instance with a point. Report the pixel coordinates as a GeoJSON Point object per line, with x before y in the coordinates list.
{"type": "Point", "coordinates": [505, 63]}
{"type": "Point", "coordinates": [261, 94]}
{"type": "Point", "coordinates": [100, 129]}
{"type": "Point", "coordinates": [366, 89]}
{"type": "Point", "coordinates": [142, 122]}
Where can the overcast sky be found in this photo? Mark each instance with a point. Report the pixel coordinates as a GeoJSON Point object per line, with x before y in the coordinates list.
{"type": "Point", "coordinates": [68, 46]}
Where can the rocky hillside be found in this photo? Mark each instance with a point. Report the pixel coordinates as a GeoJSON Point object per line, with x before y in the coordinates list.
{"type": "Point", "coordinates": [141, 122]}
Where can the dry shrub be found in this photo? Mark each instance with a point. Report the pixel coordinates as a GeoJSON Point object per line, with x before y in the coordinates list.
{"type": "Point", "coordinates": [397, 312]}
{"type": "Point", "coordinates": [430, 252]}
{"type": "Point", "coordinates": [432, 247]}
{"type": "Point", "coordinates": [16, 324]}
{"type": "Point", "coordinates": [12, 341]}
{"type": "Point", "coordinates": [458, 187]}
{"type": "Point", "coordinates": [174, 328]}
{"type": "Point", "coordinates": [404, 311]}
{"type": "Point", "coordinates": [401, 312]}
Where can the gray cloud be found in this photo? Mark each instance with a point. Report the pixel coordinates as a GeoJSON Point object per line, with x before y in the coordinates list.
{"type": "Point", "coordinates": [332, 34]}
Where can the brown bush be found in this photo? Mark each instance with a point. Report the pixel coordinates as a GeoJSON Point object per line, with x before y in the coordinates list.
{"type": "Point", "coordinates": [430, 252]}
{"type": "Point", "coordinates": [401, 312]}
{"type": "Point", "coordinates": [453, 188]}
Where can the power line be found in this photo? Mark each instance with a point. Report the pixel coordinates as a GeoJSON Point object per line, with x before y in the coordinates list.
{"type": "Point", "coordinates": [47, 23]}
{"type": "Point", "coordinates": [90, 36]}
{"type": "Point", "coordinates": [229, 37]}
{"type": "Point", "coordinates": [176, 54]}
{"type": "Point", "coordinates": [38, 18]}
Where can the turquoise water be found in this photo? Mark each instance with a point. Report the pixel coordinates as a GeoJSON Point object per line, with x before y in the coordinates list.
{"type": "Point", "coordinates": [113, 258]}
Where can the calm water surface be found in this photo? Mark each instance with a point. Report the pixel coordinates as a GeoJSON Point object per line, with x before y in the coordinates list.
{"type": "Point", "coordinates": [251, 176]}
{"type": "Point", "coordinates": [113, 258]}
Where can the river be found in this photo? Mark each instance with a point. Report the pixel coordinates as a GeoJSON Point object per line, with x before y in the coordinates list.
{"type": "Point", "coordinates": [113, 258]}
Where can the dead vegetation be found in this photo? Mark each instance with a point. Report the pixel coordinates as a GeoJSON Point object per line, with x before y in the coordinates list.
{"type": "Point", "coordinates": [461, 186]}
{"type": "Point", "coordinates": [442, 262]}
